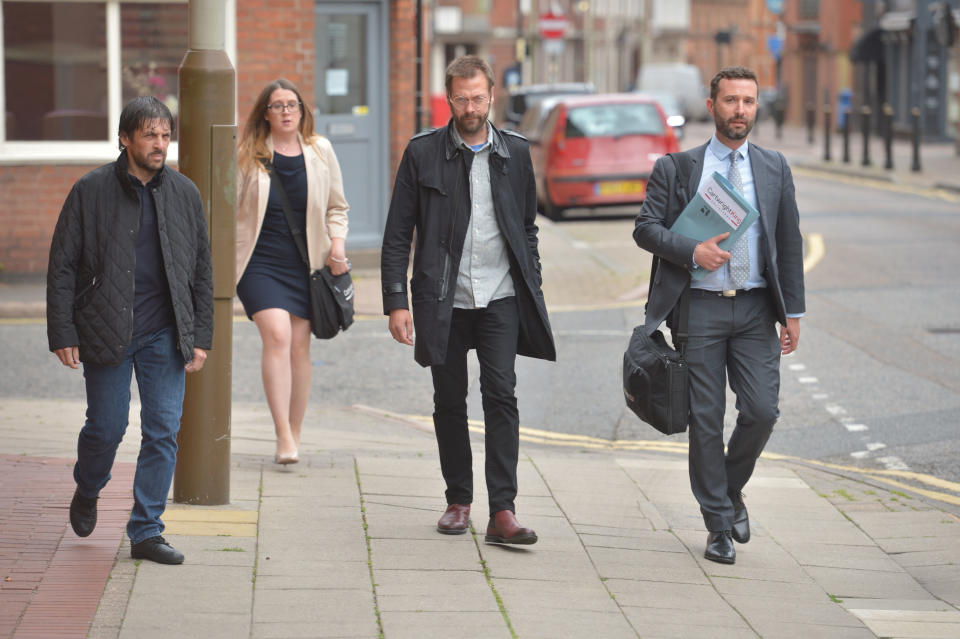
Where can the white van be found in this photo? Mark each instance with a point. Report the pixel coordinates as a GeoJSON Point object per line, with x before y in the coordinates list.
{"type": "Point", "coordinates": [683, 81]}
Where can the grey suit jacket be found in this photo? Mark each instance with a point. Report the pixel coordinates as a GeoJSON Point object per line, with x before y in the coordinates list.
{"type": "Point", "coordinates": [781, 242]}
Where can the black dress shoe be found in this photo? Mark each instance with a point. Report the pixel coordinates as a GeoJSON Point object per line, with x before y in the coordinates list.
{"type": "Point", "coordinates": [83, 514]}
{"type": "Point", "coordinates": [156, 549]}
{"type": "Point", "coordinates": [741, 522]}
{"type": "Point", "coordinates": [720, 547]}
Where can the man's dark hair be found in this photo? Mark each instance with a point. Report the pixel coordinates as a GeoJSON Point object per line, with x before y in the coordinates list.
{"type": "Point", "coordinates": [467, 66]}
{"type": "Point", "coordinates": [140, 111]}
{"type": "Point", "coordinates": [731, 73]}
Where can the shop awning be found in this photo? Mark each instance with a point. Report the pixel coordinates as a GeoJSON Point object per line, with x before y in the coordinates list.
{"type": "Point", "coordinates": [868, 47]}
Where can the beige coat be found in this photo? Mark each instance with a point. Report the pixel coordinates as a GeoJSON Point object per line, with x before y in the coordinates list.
{"type": "Point", "coordinates": [326, 205]}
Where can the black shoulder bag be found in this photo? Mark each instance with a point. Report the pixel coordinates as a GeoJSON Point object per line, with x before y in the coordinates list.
{"type": "Point", "coordinates": [655, 376]}
{"type": "Point", "coordinates": [331, 296]}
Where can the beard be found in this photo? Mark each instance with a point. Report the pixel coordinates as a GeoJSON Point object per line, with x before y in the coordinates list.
{"type": "Point", "coordinates": [152, 161]}
{"type": "Point", "coordinates": [472, 123]}
{"type": "Point", "coordinates": [725, 127]}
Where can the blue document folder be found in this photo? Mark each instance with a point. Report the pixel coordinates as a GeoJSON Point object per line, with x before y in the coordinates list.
{"type": "Point", "coordinates": [716, 208]}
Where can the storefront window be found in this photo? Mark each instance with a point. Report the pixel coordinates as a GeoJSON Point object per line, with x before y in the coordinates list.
{"type": "Point", "coordinates": [58, 74]}
{"type": "Point", "coordinates": [153, 42]}
{"type": "Point", "coordinates": [55, 70]}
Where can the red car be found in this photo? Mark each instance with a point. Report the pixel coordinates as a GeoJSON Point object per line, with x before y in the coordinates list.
{"type": "Point", "coordinates": [597, 151]}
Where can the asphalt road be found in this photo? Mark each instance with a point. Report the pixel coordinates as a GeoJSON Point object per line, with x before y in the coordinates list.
{"type": "Point", "coordinates": [873, 385]}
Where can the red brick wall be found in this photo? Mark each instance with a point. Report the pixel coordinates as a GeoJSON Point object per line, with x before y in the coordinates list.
{"type": "Point", "coordinates": [839, 22]}
{"type": "Point", "coordinates": [403, 70]}
{"type": "Point", "coordinates": [274, 39]}
{"type": "Point", "coordinates": [32, 197]}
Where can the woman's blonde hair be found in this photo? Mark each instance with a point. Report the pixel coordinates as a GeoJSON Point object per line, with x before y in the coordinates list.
{"type": "Point", "coordinates": [253, 143]}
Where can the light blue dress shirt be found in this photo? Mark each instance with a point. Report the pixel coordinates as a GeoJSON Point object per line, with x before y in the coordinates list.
{"type": "Point", "coordinates": [717, 158]}
{"type": "Point", "coordinates": [484, 274]}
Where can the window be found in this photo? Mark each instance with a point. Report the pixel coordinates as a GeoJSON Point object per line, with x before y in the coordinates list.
{"type": "Point", "coordinates": [809, 9]}
{"type": "Point", "coordinates": [55, 62]}
{"type": "Point", "coordinates": [614, 120]}
{"type": "Point", "coordinates": [69, 67]}
{"type": "Point", "coordinates": [153, 41]}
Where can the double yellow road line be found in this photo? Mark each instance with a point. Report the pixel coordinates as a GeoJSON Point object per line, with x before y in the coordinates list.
{"type": "Point", "coordinates": [947, 491]}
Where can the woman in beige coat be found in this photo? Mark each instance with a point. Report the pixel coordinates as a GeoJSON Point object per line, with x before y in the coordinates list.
{"type": "Point", "coordinates": [272, 280]}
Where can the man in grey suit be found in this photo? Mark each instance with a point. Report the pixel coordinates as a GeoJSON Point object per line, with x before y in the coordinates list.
{"type": "Point", "coordinates": [734, 309]}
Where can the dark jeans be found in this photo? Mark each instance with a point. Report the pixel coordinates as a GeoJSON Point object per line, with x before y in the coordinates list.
{"type": "Point", "coordinates": [493, 332]}
{"type": "Point", "coordinates": [160, 378]}
{"type": "Point", "coordinates": [735, 336]}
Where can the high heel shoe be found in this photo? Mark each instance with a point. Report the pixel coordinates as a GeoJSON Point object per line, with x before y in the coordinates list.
{"type": "Point", "coordinates": [286, 458]}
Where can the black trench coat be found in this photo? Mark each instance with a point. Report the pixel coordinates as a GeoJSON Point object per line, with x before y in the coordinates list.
{"type": "Point", "coordinates": [431, 194]}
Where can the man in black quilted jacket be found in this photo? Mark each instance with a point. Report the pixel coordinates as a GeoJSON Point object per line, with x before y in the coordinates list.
{"type": "Point", "coordinates": [130, 289]}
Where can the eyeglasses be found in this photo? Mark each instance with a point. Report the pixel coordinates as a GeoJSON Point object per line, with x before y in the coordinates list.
{"type": "Point", "coordinates": [279, 107]}
{"type": "Point", "coordinates": [478, 101]}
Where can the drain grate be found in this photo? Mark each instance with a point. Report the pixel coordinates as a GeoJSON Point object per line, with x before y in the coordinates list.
{"type": "Point", "coordinates": [944, 330]}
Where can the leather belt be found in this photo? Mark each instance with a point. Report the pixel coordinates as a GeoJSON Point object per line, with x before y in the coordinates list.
{"type": "Point", "coordinates": [729, 292]}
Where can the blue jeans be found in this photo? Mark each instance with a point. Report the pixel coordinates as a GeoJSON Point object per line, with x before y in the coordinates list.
{"type": "Point", "coordinates": [160, 378]}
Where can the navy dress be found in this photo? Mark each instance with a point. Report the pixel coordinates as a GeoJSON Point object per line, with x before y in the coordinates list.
{"type": "Point", "coordinates": [276, 277]}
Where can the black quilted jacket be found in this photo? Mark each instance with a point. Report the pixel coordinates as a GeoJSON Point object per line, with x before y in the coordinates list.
{"type": "Point", "coordinates": [92, 269]}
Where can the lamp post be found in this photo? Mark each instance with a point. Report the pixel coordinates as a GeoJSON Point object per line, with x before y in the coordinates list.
{"type": "Point", "coordinates": [208, 133]}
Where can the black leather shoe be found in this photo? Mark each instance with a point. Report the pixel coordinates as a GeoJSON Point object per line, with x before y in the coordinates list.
{"type": "Point", "coordinates": [83, 514]}
{"type": "Point", "coordinates": [156, 549]}
{"type": "Point", "coordinates": [741, 522]}
{"type": "Point", "coordinates": [720, 547]}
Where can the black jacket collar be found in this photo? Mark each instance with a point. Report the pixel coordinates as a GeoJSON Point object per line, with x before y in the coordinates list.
{"type": "Point", "coordinates": [499, 146]}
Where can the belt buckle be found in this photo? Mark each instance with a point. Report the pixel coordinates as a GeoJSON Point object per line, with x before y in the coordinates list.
{"type": "Point", "coordinates": [729, 292]}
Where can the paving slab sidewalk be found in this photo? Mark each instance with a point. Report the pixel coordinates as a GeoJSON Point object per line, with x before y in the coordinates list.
{"type": "Point", "coordinates": [343, 545]}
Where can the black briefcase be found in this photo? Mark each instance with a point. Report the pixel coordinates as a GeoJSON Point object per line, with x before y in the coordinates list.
{"type": "Point", "coordinates": [655, 380]}
{"type": "Point", "coordinates": [655, 383]}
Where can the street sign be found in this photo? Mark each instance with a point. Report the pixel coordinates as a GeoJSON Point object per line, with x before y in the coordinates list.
{"type": "Point", "coordinates": [553, 46]}
{"type": "Point", "coordinates": [775, 46]}
{"type": "Point", "coordinates": [775, 6]}
{"type": "Point", "coordinates": [552, 26]}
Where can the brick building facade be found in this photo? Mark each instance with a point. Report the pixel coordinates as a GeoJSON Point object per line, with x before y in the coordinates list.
{"type": "Point", "coordinates": [274, 38]}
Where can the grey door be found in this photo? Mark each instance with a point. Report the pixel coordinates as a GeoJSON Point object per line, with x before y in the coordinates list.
{"type": "Point", "coordinates": [351, 108]}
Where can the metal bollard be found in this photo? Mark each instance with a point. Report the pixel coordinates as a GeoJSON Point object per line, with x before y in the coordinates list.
{"type": "Point", "coordinates": [865, 127]}
{"type": "Point", "coordinates": [827, 113]}
{"type": "Point", "coordinates": [846, 136]}
{"type": "Point", "coordinates": [888, 136]}
{"type": "Point", "coordinates": [811, 121]}
{"type": "Point", "coordinates": [915, 119]}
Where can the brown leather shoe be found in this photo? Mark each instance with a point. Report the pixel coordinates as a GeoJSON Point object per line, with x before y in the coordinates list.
{"type": "Point", "coordinates": [505, 529]}
{"type": "Point", "coordinates": [455, 520]}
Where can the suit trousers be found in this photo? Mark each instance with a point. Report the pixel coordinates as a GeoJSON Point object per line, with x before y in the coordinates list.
{"type": "Point", "coordinates": [493, 332]}
{"type": "Point", "coordinates": [735, 336]}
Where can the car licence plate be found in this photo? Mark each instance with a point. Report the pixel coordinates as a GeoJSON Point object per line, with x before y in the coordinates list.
{"type": "Point", "coordinates": [620, 187]}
